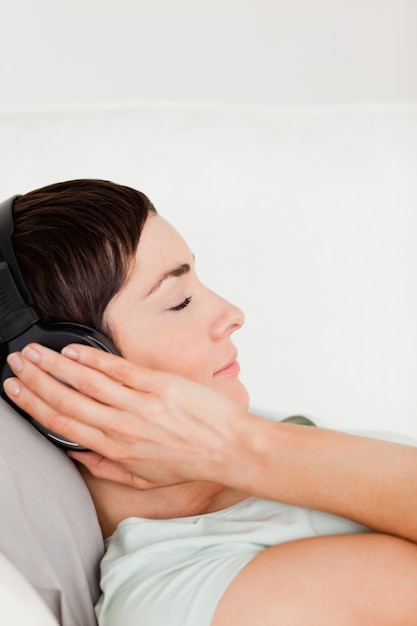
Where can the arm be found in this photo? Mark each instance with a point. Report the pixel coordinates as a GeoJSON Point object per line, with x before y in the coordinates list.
{"type": "Point", "coordinates": [341, 580]}
{"type": "Point", "coordinates": [153, 428]}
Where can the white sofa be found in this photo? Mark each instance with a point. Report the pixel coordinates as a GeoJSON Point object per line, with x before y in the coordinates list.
{"type": "Point", "coordinates": [20, 604]}
{"type": "Point", "coordinates": [306, 218]}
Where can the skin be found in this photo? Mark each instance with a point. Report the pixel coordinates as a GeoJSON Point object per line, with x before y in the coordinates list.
{"type": "Point", "coordinates": [172, 437]}
{"type": "Point", "coordinates": [165, 307]}
{"type": "Point", "coordinates": [164, 279]}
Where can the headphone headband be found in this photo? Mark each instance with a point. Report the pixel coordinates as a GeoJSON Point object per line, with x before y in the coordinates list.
{"type": "Point", "coordinates": [6, 248]}
{"type": "Point", "coordinates": [16, 305]}
{"type": "Point", "coordinates": [19, 322]}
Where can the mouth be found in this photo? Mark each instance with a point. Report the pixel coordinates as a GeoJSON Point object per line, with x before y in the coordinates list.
{"type": "Point", "coordinates": [231, 368]}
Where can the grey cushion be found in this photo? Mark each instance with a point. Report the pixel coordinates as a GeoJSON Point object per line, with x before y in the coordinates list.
{"type": "Point", "coordinates": [48, 525]}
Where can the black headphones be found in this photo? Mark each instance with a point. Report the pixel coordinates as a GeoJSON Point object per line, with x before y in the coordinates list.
{"type": "Point", "coordinates": [20, 324]}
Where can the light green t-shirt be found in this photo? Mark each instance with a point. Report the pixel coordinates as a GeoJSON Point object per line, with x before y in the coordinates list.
{"type": "Point", "coordinates": [174, 572]}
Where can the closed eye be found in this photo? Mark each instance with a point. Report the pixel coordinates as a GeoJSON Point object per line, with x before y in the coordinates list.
{"type": "Point", "coordinates": [183, 304]}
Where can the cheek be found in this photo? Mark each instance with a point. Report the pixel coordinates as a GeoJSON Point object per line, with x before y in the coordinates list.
{"type": "Point", "coordinates": [185, 354]}
{"type": "Point", "coordinates": [170, 352]}
{"type": "Point", "coordinates": [189, 361]}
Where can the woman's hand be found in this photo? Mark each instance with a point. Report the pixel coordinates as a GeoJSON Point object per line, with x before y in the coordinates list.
{"type": "Point", "coordinates": [151, 429]}
{"type": "Point", "coordinates": [146, 428]}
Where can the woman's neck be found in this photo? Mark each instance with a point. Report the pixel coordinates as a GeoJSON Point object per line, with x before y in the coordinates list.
{"type": "Point", "coordinates": [115, 502]}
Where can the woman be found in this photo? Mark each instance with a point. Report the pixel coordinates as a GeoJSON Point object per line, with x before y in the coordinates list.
{"type": "Point", "coordinates": [212, 515]}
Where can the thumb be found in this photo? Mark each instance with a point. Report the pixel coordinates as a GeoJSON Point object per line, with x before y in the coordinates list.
{"type": "Point", "coordinates": [103, 468]}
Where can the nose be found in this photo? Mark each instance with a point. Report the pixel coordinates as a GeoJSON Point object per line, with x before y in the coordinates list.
{"type": "Point", "coordinates": [228, 318]}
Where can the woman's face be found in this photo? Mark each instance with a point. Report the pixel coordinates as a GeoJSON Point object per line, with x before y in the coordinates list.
{"type": "Point", "coordinates": [165, 318]}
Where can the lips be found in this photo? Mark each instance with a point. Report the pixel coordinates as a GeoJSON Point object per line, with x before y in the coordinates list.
{"type": "Point", "coordinates": [231, 368]}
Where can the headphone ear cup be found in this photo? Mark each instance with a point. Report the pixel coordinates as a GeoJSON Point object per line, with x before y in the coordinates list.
{"type": "Point", "coordinates": [56, 336]}
{"type": "Point", "coordinates": [19, 321]}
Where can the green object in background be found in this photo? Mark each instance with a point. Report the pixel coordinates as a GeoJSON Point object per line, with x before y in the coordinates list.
{"type": "Point", "coordinates": [298, 419]}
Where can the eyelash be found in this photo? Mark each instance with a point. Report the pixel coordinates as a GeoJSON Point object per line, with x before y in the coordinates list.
{"type": "Point", "coordinates": [183, 304]}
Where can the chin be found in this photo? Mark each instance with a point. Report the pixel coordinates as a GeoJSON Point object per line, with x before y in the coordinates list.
{"type": "Point", "coordinates": [235, 390]}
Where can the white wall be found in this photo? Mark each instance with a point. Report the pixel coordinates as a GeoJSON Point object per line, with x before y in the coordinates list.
{"type": "Point", "coordinates": [241, 51]}
{"type": "Point", "coordinates": [305, 219]}
{"type": "Point", "coordinates": [302, 211]}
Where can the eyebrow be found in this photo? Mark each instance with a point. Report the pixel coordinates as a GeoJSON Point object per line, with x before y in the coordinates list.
{"type": "Point", "coordinates": [174, 273]}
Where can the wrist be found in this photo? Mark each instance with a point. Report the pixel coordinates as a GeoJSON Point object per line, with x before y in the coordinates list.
{"type": "Point", "coordinates": [271, 459]}
{"type": "Point", "coordinates": [257, 447]}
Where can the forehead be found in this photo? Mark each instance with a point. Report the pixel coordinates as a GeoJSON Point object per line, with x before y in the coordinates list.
{"type": "Point", "coordinates": [159, 240]}
{"type": "Point", "coordinates": [161, 248]}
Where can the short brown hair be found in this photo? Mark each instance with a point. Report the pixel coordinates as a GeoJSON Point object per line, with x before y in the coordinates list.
{"type": "Point", "coordinates": [75, 242]}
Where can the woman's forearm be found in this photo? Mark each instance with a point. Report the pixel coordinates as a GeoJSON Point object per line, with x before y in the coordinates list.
{"type": "Point", "coordinates": [155, 429]}
{"type": "Point", "coordinates": [370, 481]}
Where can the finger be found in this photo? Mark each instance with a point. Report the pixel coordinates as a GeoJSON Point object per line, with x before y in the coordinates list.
{"type": "Point", "coordinates": [103, 468]}
{"type": "Point", "coordinates": [91, 383]}
{"type": "Point", "coordinates": [131, 400]}
{"type": "Point", "coordinates": [117, 368]}
{"type": "Point", "coordinates": [90, 423]}
{"type": "Point", "coordinates": [63, 410]}
{"type": "Point", "coordinates": [64, 399]}
{"type": "Point", "coordinates": [43, 413]}
{"type": "Point", "coordinates": [166, 386]}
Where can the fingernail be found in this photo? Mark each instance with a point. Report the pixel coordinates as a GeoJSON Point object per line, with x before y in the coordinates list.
{"type": "Point", "coordinates": [11, 387]}
{"type": "Point", "coordinates": [15, 362]}
{"type": "Point", "coordinates": [71, 353]}
{"type": "Point", "coordinates": [31, 355]}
